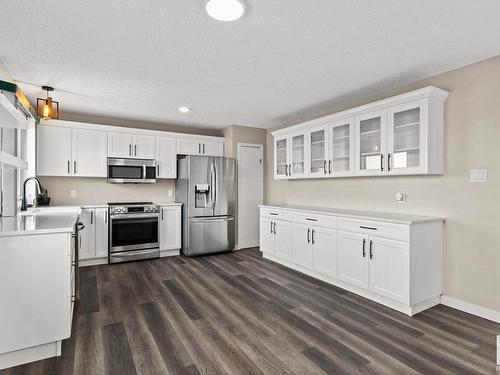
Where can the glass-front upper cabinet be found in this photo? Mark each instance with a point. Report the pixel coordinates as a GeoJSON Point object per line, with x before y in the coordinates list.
{"type": "Point", "coordinates": [371, 143]}
{"type": "Point", "coordinates": [318, 152]}
{"type": "Point", "coordinates": [341, 158]}
{"type": "Point", "coordinates": [406, 145]}
{"type": "Point", "coordinates": [296, 167]}
{"type": "Point", "coordinates": [281, 157]}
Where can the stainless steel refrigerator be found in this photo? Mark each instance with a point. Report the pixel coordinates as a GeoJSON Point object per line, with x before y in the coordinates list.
{"type": "Point", "coordinates": [206, 185]}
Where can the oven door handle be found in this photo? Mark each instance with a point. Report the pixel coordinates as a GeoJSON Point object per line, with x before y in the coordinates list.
{"type": "Point", "coordinates": [134, 216]}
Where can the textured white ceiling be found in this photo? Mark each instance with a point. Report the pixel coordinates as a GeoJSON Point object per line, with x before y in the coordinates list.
{"type": "Point", "coordinates": [284, 61]}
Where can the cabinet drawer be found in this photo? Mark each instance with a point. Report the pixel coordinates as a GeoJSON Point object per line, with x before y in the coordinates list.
{"type": "Point", "coordinates": [318, 220]}
{"type": "Point", "coordinates": [381, 229]}
{"type": "Point", "coordinates": [275, 214]}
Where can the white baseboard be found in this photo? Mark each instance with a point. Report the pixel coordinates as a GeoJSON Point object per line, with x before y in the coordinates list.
{"type": "Point", "coordinates": [169, 253]}
{"type": "Point", "coordinates": [470, 308]}
{"type": "Point", "coordinates": [32, 354]}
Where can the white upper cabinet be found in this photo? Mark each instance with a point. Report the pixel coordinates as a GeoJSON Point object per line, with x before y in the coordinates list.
{"type": "Point", "coordinates": [89, 151]}
{"type": "Point", "coordinates": [144, 147]}
{"type": "Point", "coordinates": [63, 151]}
{"type": "Point", "coordinates": [53, 151]}
{"type": "Point", "coordinates": [213, 148]}
{"type": "Point", "coordinates": [123, 145]}
{"type": "Point", "coordinates": [318, 152]}
{"type": "Point", "coordinates": [407, 133]}
{"type": "Point", "coordinates": [371, 143]}
{"type": "Point", "coordinates": [200, 146]}
{"type": "Point", "coordinates": [398, 135]}
{"type": "Point", "coordinates": [166, 157]}
{"type": "Point", "coordinates": [281, 157]}
{"type": "Point", "coordinates": [120, 145]}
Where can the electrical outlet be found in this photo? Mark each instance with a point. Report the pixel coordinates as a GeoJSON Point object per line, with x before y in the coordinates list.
{"type": "Point", "coordinates": [478, 176]}
{"type": "Point", "coordinates": [72, 193]}
{"type": "Point", "coordinates": [170, 192]}
{"type": "Point", "coordinates": [401, 197]}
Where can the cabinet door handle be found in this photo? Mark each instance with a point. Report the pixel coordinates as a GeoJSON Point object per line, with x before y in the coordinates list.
{"type": "Point", "coordinates": [203, 148]}
{"type": "Point", "coordinates": [286, 169]}
{"type": "Point", "coordinates": [158, 170]}
{"type": "Point", "coordinates": [364, 248]}
{"type": "Point", "coordinates": [271, 227]}
{"type": "Point", "coordinates": [69, 166]}
{"type": "Point", "coordinates": [381, 162]}
{"type": "Point", "coordinates": [199, 148]}
{"type": "Point", "coordinates": [106, 217]}
{"type": "Point", "coordinates": [371, 249]}
{"type": "Point", "coordinates": [162, 212]}
{"type": "Point", "coordinates": [74, 167]}
{"type": "Point", "coordinates": [312, 237]}
{"type": "Point", "coordinates": [91, 217]}
{"type": "Point", "coordinates": [324, 167]}
{"type": "Point", "coordinates": [129, 150]}
{"type": "Point", "coordinates": [388, 162]}
{"type": "Point", "coordinates": [290, 169]}
{"type": "Point", "coordinates": [308, 232]}
{"type": "Point", "coordinates": [330, 166]}
{"type": "Point", "coordinates": [274, 226]}
{"type": "Point", "coordinates": [135, 150]}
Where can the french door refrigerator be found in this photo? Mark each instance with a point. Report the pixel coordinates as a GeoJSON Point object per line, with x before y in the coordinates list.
{"type": "Point", "coordinates": [206, 186]}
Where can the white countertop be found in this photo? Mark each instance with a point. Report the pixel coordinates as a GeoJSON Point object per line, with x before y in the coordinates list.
{"type": "Point", "coordinates": [359, 214]}
{"type": "Point", "coordinates": [40, 221]}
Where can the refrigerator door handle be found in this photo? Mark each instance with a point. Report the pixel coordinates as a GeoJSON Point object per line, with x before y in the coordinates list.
{"type": "Point", "coordinates": [212, 186]}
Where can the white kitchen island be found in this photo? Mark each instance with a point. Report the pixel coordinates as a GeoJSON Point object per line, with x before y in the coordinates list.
{"type": "Point", "coordinates": [393, 259]}
{"type": "Point", "coordinates": [37, 284]}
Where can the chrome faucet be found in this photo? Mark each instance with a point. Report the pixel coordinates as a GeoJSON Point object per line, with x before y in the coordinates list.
{"type": "Point", "coordinates": [24, 206]}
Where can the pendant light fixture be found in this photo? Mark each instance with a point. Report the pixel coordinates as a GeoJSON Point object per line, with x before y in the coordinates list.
{"type": "Point", "coordinates": [225, 10]}
{"type": "Point", "coordinates": [47, 108]}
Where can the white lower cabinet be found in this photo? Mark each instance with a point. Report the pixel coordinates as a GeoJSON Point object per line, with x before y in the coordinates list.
{"type": "Point", "coordinates": [94, 237]}
{"type": "Point", "coordinates": [170, 227]}
{"type": "Point", "coordinates": [275, 238]}
{"type": "Point", "coordinates": [352, 259]}
{"type": "Point", "coordinates": [391, 261]}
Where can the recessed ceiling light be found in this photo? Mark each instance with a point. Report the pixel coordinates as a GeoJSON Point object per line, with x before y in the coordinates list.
{"type": "Point", "coordinates": [225, 10]}
{"type": "Point", "coordinates": [184, 109]}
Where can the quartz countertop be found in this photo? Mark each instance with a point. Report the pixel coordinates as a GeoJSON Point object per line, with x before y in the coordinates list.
{"type": "Point", "coordinates": [40, 221]}
{"type": "Point", "coordinates": [390, 217]}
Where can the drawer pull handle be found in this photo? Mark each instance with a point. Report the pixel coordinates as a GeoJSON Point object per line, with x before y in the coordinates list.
{"type": "Point", "coordinates": [311, 219]}
{"type": "Point", "coordinates": [370, 228]}
{"type": "Point", "coordinates": [273, 213]}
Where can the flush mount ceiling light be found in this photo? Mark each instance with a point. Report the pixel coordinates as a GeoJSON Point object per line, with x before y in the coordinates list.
{"type": "Point", "coordinates": [184, 109]}
{"type": "Point", "coordinates": [225, 10]}
{"type": "Point", "coordinates": [47, 108]}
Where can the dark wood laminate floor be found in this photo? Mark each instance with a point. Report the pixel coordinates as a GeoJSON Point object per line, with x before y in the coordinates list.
{"type": "Point", "coordinates": [239, 314]}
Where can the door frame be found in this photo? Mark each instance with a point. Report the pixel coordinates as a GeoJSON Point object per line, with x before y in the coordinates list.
{"type": "Point", "coordinates": [239, 145]}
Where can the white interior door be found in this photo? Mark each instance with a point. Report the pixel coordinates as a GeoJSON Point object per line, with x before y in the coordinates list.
{"type": "Point", "coordinates": [250, 193]}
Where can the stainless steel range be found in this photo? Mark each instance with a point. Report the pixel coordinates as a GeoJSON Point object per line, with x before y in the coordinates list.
{"type": "Point", "coordinates": [133, 231]}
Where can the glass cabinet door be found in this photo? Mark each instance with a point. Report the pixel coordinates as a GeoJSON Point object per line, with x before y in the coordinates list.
{"type": "Point", "coordinates": [298, 155]}
{"type": "Point", "coordinates": [281, 157]}
{"type": "Point", "coordinates": [371, 143]}
{"type": "Point", "coordinates": [404, 138]}
{"type": "Point", "coordinates": [318, 156]}
{"type": "Point", "coordinates": [340, 144]}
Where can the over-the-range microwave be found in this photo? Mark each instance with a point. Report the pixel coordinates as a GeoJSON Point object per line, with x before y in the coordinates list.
{"type": "Point", "coordinates": [131, 171]}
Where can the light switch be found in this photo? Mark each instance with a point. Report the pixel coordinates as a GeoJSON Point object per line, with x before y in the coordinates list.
{"type": "Point", "coordinates": [72, 193]}
{"type": "Point", "coordinates": [478, 175]}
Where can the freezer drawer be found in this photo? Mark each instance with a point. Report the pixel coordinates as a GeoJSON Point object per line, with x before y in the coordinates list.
{"type": "Point", "coordinates": [210, 235]}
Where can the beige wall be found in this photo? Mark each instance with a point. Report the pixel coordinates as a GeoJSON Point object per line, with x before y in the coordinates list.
{"type": "Point", "coordinates": [472, 229]}
{"type": "Point", "coordinates": [4, 74]}
{"type": "Point", "coordinates": [97, 191]}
